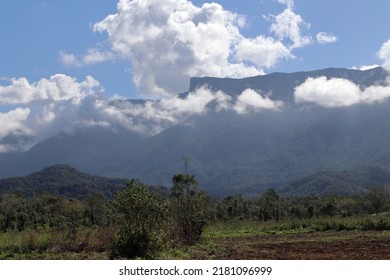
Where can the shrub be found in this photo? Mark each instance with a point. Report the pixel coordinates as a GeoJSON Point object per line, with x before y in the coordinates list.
{"type": "Point", "coordinates": [141, 218]}
{"type": "Point", "coordinates": [133, 244]}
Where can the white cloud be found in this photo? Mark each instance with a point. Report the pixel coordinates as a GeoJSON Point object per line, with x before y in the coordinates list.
{"type": "Point", "coordinates": [325, 38]}
{"type": "Point", "coordinates": [249, 100]}
{"type": "Point", "coordinates": [194, 103]}
{"type": "Point", "coordinates": [365, 67]}
{"type": "Point", "coordinates": [167, 42]}
{"type": "Point", "coordinates": [93, 56]}
{"type": "Point", "coordinates": [12, 123]}
{"type": "Point", "coordinates": [69, 59]}
{"type": "Point", "coordinates": [384, 54]}
{"type": "Point", "coordinates": [338, 92]}
{"type": "Point", "coordinates": [262, 51]}
{"type": "Point", "coordinates": [289, 3]}
{"type": "Point", "coordinates": [289, 25]}
{"type": "Point", "coordinates": [154, 116]}
{"type": "Point", "coordinates": [44, 108]}
{"type": "Point", "coordinates": [58, 87]}
{"type": "Point", "coordinates": [327, 93]}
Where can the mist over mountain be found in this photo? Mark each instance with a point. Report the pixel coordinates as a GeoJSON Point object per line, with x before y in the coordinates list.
{"type": "Point", "coordinates": [244, 135]}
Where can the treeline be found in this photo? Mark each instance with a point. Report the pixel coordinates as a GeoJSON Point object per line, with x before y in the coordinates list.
{"type": "Point", "coordinates": [48, 211]}
{"type": "Point", "coordinates": [144, 222]}
{"type": "Point", "coordinates": [271, 206]}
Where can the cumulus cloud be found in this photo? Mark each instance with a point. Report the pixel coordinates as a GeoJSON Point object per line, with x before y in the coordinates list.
{"type": "Point", "coordinates": [44, 108]}
{"type": "Point", "coordinates": [289, 25]}
{"type": "Point", "coordinates": [56, 88]}
{"type": "Point", "coordinates": [249, 100]}
{"type": "Point", "coordinates": [12, 123]}
{"type": "Point", "coordinates": [384, 54]}
{"type": "Point", "coordinates": [338, 92]}
{"type": "Point", "coordinates": [325, 38]}
{"type": "Point", "coordinates": [262, 51]}
{"type": "Point", "coordinates": [168, 42]}
{"type": "Point", "coordinates": [327, 93]}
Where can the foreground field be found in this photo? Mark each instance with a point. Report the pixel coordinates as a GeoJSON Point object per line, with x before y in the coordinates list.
{"type": "Point", "coordinates": [365, 238]}
{"type": "Point", "coordinates": [331, 245]}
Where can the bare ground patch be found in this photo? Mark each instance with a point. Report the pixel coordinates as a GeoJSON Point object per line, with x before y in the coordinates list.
{"type": "Point", "coordinates": [293, 246]}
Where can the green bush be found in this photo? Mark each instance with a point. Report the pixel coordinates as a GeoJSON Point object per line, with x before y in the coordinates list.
{"type": "Point", "coordinates": [141, 219]}
{"type": "Point", "coordinates": [131, 244]}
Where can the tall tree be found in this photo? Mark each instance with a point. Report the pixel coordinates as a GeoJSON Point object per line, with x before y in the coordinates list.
{"type": "Point", "coordinates": [188, 207]}
{"type": "Point", "coordinates": [378, 199]}
{"type": "Point", "coordinates": [269, 205]}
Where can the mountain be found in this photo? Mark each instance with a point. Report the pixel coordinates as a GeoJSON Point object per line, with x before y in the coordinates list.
{"type": "Point", "coordinates": [86, 149]}
{"type": "Point", "coordinates": [229, 152]}
{"type": "Point", "coordinates": [66, 181]}
{"type": "Point", "coordinates": [338, 183]}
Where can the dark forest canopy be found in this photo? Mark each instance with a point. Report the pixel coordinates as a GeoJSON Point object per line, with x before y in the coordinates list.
{"type": "Point", "coordinates": [66, 181]}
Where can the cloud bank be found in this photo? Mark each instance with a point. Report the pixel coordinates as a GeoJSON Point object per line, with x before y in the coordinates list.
{"type": "Point", "coordinates": [61, 103]}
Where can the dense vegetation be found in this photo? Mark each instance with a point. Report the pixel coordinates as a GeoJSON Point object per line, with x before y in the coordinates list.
{"type": "Point", "coordinates": [140, 223]}
{"type": "Point", "coordinates": [66, 181]}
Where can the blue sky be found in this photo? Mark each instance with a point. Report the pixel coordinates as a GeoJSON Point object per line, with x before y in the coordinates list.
{"type": "Point", "coordinates": [55, 55]}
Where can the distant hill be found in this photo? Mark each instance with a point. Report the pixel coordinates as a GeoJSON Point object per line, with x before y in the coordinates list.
{"type": "Point", "coordinates": [88, 150]}
{"type": "Point", "coordinates": [338, 183]}
{"type": "Point", "coordinates": [66, 181]}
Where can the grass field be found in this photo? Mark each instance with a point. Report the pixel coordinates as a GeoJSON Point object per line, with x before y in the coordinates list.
{"type": "Point", "coordinates": [362, 238]}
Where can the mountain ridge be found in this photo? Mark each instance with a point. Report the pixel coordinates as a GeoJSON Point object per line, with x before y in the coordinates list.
{"type": "Point", "coordinates": [266, 83]}
{"type": "Point", "coordinates": [230, 152]}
